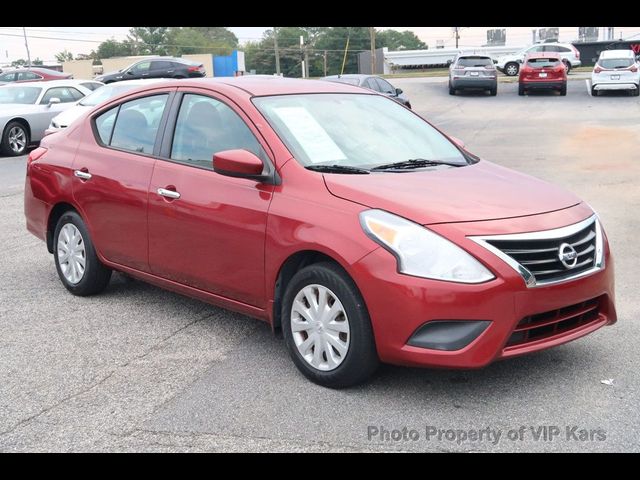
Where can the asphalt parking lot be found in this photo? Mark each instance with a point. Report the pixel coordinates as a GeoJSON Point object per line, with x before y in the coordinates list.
{"type": "Point", "coordinates": [141, 369]}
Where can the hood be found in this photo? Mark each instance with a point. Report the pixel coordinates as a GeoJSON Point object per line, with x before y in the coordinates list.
{"type": "Point", "coordinates": [483, 191]}
{"type": "Point", "coordinates": [68, 116]}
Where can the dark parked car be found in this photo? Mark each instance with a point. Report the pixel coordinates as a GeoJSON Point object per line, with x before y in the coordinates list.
{"type": "Point", "coordinates": [158, 67]}
{"type": "Point", "coordinates": [473, 72]}
{"type": "Point", "coordinates": [32, 74]}
{"type": "Point", "coordinates": [374, 83]}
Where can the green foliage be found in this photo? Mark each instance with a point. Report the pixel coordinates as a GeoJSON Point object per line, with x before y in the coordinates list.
{"type": "Point", "coordinates": [184, 41]}
{"type": "Point", "coordinates": [395, 40]}
{"type": "Point", "coordinates": [64, 56]}
{"type": "Point", "coordinates": [149, 40]}
{"type": "Point", "coordinates": [36, 61]}
{"type": "Point", "coordinates": [21, 62]}
{"type": "Point", "coordinates": [112, 48]}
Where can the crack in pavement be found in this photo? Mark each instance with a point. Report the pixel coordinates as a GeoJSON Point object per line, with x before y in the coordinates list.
{"type": "Point", "coordinates": [106, 377]}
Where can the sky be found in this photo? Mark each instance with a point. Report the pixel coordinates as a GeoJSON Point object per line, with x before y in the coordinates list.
{"type": "Point", "coordinates": [84, 39]}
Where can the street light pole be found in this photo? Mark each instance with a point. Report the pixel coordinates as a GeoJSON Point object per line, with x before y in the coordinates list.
{"type": "Point", "coordinates": [372, 31]}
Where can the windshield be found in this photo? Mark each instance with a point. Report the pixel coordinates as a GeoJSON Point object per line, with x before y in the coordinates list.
{"type": "Point", "coordinates": [23, 95]}
{"type": "Point", "coordinates": [611, 63]}
{"type": "Point", "coordinates": [354, 130]}
{"type": "Point", "coordinates": [474, 62]}
{"type": "Point", "coordinates": [543, 62]}
{"type": "Point", "coordinates": [103, 94]}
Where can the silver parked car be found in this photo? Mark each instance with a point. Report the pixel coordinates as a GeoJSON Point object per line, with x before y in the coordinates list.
{"type": "Point", "coordinates": [510, 64]}
{"type": "Point", "coordinates": [372, 82]}
{"type": "Point", "coordinates": [26, 109]}
{"type": "Point", "coordinates": [473, 72]}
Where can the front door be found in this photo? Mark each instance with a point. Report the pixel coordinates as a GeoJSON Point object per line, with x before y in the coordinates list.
{"type": "Point", "coordinates": [206, 230]}
{"type": "Point", "coordinates": [112, 176]}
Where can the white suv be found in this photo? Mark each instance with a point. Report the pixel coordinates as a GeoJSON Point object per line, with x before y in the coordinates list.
{"type": "Point", "coordinates": [510, 64]}
{"type": "Point", "coordinates": [616, 70]}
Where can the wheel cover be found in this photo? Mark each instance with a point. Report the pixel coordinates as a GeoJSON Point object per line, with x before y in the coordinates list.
{"type": "Point", "coordinates": [71, 253]}
{"type": "Point", "coordinates": [17, 139]}
{"type": "Point", "coordinates": [320, 327]}
{"type": "Point", "coordinates": [512, 69]}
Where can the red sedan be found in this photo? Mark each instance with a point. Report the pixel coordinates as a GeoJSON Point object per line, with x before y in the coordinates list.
{"type": "Point", "coordinates": [336, 215]}
{"type": "Point", "coordinates": [543, 71]}
{"type": "Point", "coordinates": [33, 74]}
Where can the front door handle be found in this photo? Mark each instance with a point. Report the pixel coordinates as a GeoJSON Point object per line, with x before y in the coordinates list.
{"type": "Point", "coordinates": [82, 175]}
{"type": "Point", "coordinates": [168, 193]}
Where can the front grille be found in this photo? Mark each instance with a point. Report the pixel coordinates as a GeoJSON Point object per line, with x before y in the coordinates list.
{"type": "Point", "coordinates": [555, 322]}
{"type": "Point", "coordinates": [551, 256]}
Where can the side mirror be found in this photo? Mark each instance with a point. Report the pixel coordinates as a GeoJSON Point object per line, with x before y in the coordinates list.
{"type": "Point", "coordinates": [129, 72]}
{"type": "Point", "coordinates": [457, 141]}
{"type": "Point", "coordinates": [520, 60]}
{"type": "Point", "coordinates": [238, 163]}
{"type": "Point", "coordinates": [53, 101]}
{"type": "Point", "coordinates": [398, 91]}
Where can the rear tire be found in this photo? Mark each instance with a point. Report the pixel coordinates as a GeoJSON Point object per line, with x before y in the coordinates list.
{"type": "Point", "coordinates": [493, 91]}
{"type": "Point", "coordinates": [316, 290]}
{"type": "Point", "coordinates": [636, 92]}
{"type": "Point", "coordinates": [452, 91]}
{"type": "Point", "coordinates": [563, 90]}
{"type": "Point", "coordinates": [77, 263]}
{"type": "Point", "coordinates": [15, 139]}
{"type": "Point", "coordinates": [511, 69]}
{"type": "Point", "coordinates": [521, 90]}
{"type": "Point", "coordinates": [594, 92]}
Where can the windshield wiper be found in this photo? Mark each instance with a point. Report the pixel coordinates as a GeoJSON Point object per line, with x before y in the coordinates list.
{"type": "Point", "coordinates": [414, 163]}
{"type": "Point", "coordinates": [337, 169]}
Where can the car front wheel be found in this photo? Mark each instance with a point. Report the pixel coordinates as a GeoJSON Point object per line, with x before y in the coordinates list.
{"type": "Point", "coordinates": [15, 139]}
{"type": "Point", "coordinates": [326, 327]}
{"type": "Point", "coordinates": [77, 263]}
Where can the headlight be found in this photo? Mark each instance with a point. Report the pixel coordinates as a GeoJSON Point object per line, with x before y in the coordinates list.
{"type": "Point", "coordinates": [421, 252]}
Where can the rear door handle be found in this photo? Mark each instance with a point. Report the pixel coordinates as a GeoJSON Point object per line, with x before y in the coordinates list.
{"type": "Point", "coordinates": [168, 193]}
{"type": "Point", "coordinates": [82, 175]}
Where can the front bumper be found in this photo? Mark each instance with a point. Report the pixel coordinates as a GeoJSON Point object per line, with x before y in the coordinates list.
{"type": "Point", "coordinates": [400, 304]}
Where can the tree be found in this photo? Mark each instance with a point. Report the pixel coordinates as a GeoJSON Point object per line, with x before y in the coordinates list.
{"type": "Point", "coordinates": [184, 41]}
{"type": "Point", "coordinates": [218, 35]}
{"type": "Point", "coordinates": [21, 62]}
{"type": "Point", "coordinates": [395, 40]}
{"type": "Point", "coordinates": [112, 48]}
{"type": "Point", "coordinates": [334, 40]}
{"type": "Point", "coordinates": [149, 40]}
{"type": "Point", "coordinates": [37, 61]}
{"type": "Point", "coordinates": [64, 56]}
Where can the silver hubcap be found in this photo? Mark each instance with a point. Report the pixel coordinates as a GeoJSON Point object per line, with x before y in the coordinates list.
{"type": "Point", "coordinates": [512, 69]}
{"type": "Point", "coordinates": [17, 139]}
{"type": "Point", "coordinates": [71, 253]}
{"type": "Point", "coordinates": [320, 327]}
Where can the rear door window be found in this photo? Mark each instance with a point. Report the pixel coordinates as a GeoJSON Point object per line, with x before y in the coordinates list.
{"type": "Point", "coordinates": [543, 62]}
{"type": "Point", "coordinates": [474, 62]}
{"type": "Point", "coordinates": [137, 124]}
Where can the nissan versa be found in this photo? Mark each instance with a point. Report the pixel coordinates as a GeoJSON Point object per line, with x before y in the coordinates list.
{"type": "Point", "coordinates": [333, 213]}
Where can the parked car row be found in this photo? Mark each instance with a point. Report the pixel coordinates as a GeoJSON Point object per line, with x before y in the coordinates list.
{"type": "Point", "coordinates": [546, 70]}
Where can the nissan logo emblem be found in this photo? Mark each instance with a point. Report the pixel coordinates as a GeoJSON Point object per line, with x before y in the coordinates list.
{"type": "Point", "coordinates": [567, 255]}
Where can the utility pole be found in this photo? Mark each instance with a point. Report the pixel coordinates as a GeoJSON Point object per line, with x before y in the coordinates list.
{"type": "Point", "coordinates": [324, 63]}
{"type": "Point", "coordinates": [372, 32]}
{"type": "Point", "coordinates": [275, 46]}
{"type": "Point", "coordinates": [26, 44]}
{"type": "Point", "coordinates": [302, 55]}
{"type": "Point", "coordinates": [456, 31]}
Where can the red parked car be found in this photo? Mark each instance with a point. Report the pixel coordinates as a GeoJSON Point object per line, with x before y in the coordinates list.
{"type": "Point", "coordinates": [33, 74]}
{"type": "Point", "coordinates": [543, 71]}
{"type": "Point", "coordinates": [336, 215]}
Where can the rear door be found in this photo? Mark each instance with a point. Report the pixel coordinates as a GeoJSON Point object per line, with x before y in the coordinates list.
{"type": "Point", "coordinates": [211, 234]}
{"type": "Point", "coordinates": [40, 120]}
{"type": "Point", "coordinates": [161, 69]}
{"type": "Point", "coordinates": [112, 172]}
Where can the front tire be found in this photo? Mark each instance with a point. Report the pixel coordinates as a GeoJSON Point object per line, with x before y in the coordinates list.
{"type": "Point", "coordinates": [327, 328]}
{"type": "Point", "coordinates": [77, 263]}
{"type": "Point", "coordinates": [15, 139]}
{"type": "Point", "coordinates": [567, 66]}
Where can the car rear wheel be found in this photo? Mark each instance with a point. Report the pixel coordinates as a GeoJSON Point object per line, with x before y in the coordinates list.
{"type": "Point", "coordinates": [636, 91]}
{"type": "Point", "coordinates": [15, 139]}
{"type": "Point", "coordinates": [511, 69]}
{"type": "Point", "coordinates": [563, 90]}
{"type": "Point", "coordinates": [594, 92]}
{"type": "Point", "coordinates": [452, 91]}
{"type": "Point", "coordinates": [326, 327]}
{"type": "Point", "coordinates": [78, 266]}
{"type": "Point", "coordinates": [520, 89]}
{"type": "Point", "coordinates": [493, 91]}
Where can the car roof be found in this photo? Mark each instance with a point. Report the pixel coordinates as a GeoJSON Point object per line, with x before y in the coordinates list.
{"type": "Point", "coordinates": [49, 84]}
{"type": "Point", "coordinates": [544, 55]}
{"type": "Point", "coordinates": [349, 75]}
{"type": "Point", "coordinates": [617, 53]}
{"type": "Point", "coordinates": [259, 85]}
{"type": "Point", "coordinates": [473, 55]}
